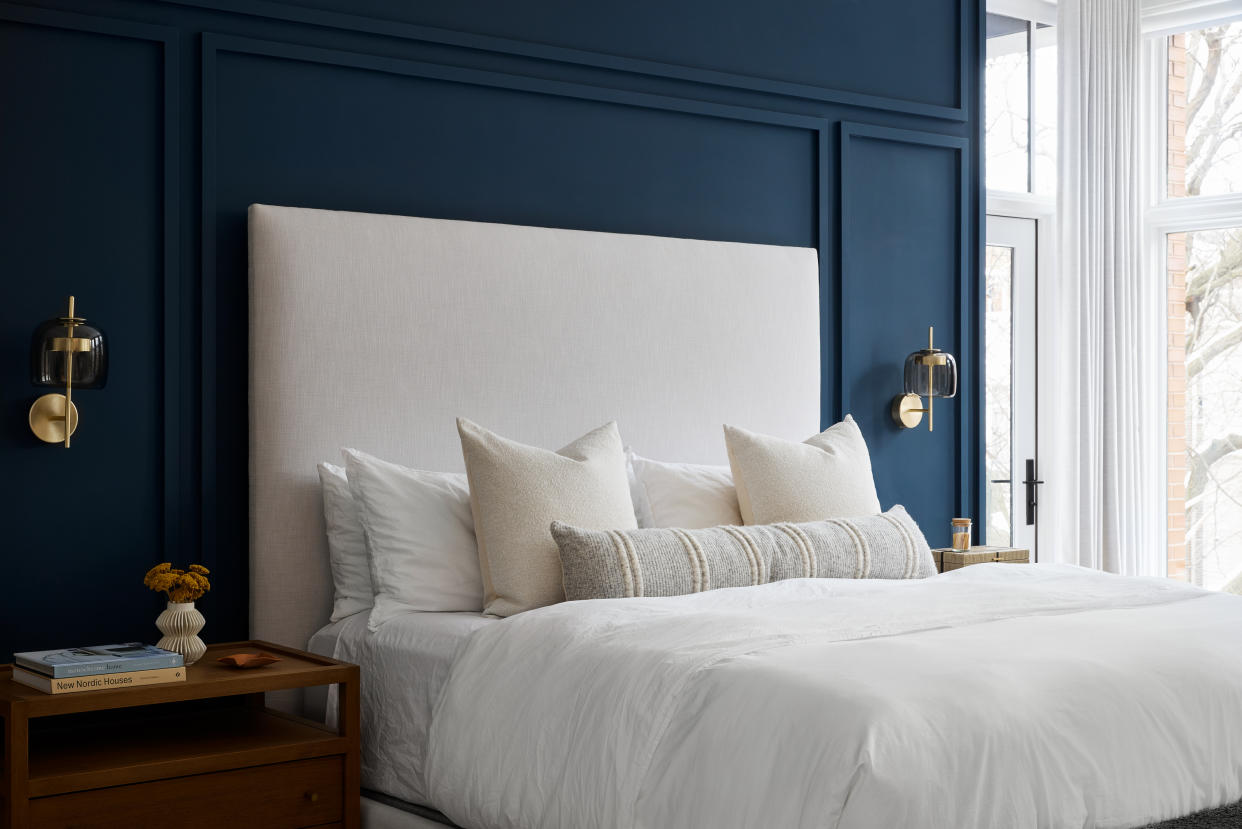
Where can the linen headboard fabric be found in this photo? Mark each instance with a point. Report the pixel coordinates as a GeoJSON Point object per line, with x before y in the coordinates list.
{"type": "Point", "coordinates": [377, 332]}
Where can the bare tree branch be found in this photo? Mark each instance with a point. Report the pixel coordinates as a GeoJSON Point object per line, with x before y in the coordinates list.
{"type": "Point", "coordinates": [1197, 361]}
{"type": "Point", "coordinates": [1202, 287]}
{"type": "Point", "coordinates": [1203, 460]}
{"type": "Point", "coordinates": [1207, 140]}
{"type": "Point", "coordinates": [1217, 136]}
{"type": "Point", "coordinates": [1210, 70]}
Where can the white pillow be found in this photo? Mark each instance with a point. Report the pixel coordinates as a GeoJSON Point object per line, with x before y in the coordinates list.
{"type": "Point", "coordinates": [690, 496]}
{"type": "Point", "coordinates": [420, 537]}
{"type": "Point", "coordinates": [642, 507]}
{"type": "Point", "coordinates": [517, 491]}
{"type": "Point", "coordinates": [347, 547]}
{"type": "Point", "coordinates": [826, 476]}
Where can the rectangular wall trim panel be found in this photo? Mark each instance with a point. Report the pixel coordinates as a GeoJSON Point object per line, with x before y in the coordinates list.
{"type": "Point", "coordinates": [176, 420]}
{"type": "Point", "coordinates": [215, 45]}
{"type": "Point", "coordinates": [862, 182]}
{"type": "Point", "coordinates": [638, 66]}
{"type": "Point", "coordinates": [176, 426]}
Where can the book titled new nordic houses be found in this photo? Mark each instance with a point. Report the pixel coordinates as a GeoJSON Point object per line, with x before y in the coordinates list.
{"type": "Point", "coordinates": [98, 682]}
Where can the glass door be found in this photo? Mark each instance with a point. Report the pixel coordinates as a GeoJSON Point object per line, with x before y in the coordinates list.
{"type": "Point", "coordinates": [1012, 467]}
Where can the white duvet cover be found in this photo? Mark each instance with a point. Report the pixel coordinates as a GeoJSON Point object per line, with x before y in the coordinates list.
{"type": "Point", "coordinates": [994, 696]}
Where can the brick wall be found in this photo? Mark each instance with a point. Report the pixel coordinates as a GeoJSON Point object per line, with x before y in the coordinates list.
{"type": "Point", "coordinates": [1176, 265]}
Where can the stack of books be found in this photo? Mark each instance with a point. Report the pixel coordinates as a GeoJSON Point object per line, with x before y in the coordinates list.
{"type": "Point", "coordinates": [98, 668]}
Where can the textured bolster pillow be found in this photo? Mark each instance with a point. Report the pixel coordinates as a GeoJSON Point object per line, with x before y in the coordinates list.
{"type": "Point", "coordinates": [614, 564]}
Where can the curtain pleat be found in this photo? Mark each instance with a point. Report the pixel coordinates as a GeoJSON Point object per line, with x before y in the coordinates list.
{"type": "Point", "coordinates": [1101, 360]}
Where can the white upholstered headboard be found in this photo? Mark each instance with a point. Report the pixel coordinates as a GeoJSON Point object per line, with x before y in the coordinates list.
{"type": "Point", "coordinates": [376, 332]}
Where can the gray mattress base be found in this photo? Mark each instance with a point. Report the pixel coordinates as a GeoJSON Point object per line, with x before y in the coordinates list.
{"type": "Point", "coordinates": [1226, 817]}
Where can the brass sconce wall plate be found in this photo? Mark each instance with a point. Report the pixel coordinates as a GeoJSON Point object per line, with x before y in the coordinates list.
{"type": "Point", "coordinates": [908, 410]}
{"type": "Point", "coordinates": [47, 418]}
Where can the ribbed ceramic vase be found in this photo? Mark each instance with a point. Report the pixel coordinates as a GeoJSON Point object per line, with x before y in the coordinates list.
{"type": "Point", "coordinates": [180, 624]}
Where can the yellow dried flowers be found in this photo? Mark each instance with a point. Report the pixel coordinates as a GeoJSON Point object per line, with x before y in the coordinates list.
{"type": "Point", "coordinates": [186, 585]}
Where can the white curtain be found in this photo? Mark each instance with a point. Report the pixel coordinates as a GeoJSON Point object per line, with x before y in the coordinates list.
{"type": "Point", "coordinates": [1102, 350]}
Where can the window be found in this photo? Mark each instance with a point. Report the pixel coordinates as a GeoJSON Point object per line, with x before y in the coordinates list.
{"type": "Point", "coordinates": [1205, 111]}
{"type": "Point", "coordinates": [1197, 240]}
{"type": "Point", "coordinates": [998, 397]}
{"type": "Point", "coordinates": [1205, 402]}
{"type": "Point", "coordinates": [1020, 83]}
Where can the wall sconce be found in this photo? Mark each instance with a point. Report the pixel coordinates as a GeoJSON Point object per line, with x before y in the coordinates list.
{"type": "Point", "coordinates": [929, 373]}
{"type": "Point", "coordinates": [64, 352]}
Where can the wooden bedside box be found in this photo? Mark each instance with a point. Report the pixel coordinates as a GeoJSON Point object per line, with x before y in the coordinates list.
{"type": "Point", "coordinates": [949, 559]}
{"type": "Point", "coordinates": [201, 753]}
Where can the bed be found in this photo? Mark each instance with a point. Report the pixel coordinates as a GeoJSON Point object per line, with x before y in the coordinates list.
{"type": "Point", "coordinates": [405, 665]}
{"type": "Point", "coordinates": [999, 695]}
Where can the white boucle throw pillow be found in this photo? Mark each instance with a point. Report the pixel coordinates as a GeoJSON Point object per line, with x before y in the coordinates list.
{"type": "Point", "coordinates": [517, 491]}
{"type": "Point", "coordinates": [826, 476]}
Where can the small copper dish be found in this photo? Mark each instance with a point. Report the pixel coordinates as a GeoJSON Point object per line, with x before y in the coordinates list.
{"type": "Point", "coordinates": [248, 660]}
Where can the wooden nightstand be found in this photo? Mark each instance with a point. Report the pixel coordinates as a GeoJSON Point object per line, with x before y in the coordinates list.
{"type": "Point", "coordinates": [197, 754]}
{"type": "Point", "coordinates": [949, 559]}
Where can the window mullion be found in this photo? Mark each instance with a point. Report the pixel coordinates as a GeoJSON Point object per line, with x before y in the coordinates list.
{"type": "Point", "coordinates": [1194, 213]}
{"type": "Point", "coordinates": [1030, 106]}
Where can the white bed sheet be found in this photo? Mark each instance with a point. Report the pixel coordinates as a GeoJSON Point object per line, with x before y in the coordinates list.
{"type": "Point", "coordinates": [404, 665]}
{"type": "Point", "coordinates": [995, 696]}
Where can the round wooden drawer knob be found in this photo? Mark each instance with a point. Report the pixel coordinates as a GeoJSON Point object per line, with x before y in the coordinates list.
{"type": "Point", "coordinates": [313, 797]}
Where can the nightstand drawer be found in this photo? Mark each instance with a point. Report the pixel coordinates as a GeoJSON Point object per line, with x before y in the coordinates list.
{"type": "Point", "coordinates": [282, 796]}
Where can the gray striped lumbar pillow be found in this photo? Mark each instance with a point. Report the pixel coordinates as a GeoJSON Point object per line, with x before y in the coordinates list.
{"type": "Point", "coordinates": [614, 564]}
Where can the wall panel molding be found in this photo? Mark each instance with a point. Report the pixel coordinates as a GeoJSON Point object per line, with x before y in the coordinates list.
{"type": "Point", "coordinates": [215, 45]}
{"type": "Point", "coordinates": [177, 420]}
{"type": "Point", "coordinates": [599, 60]}
{"type": "Point", "coordinates": [853, 271]}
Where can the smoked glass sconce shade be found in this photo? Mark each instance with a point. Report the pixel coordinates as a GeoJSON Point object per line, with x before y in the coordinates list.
{"type": "Point", "coordinates": [65, 353]}
{"type": "Point", "coordinates": [51, 356]}
{"type": "Point", "coordinates": [930, 373]}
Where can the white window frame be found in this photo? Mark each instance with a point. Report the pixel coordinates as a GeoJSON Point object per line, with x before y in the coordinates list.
{"type": "Point", "coordinates": [1169, 17]}
{"type": "Point", "coordinates": [1019, 204]}
{"type": "Point", "coordinates": [1041, 11]}
{"type": "Point", "coordinates": [1025, 204]}
{"type": "Point", "coordinates": [1011, 232]}
{"type": "Point", "coordinates": [1162, 214]}
{"type": "Point", "coordinates": [1041, 209]}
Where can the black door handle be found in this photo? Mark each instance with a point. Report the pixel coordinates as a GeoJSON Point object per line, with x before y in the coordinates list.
{"type": "Point", "coordinates": [1030, 483]}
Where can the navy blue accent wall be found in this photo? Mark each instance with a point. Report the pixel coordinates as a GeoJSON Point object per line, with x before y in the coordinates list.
{"type": "Point", "coordinates": [135, 133]}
